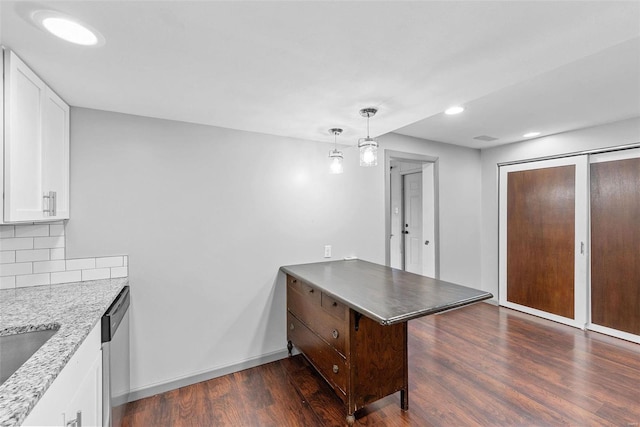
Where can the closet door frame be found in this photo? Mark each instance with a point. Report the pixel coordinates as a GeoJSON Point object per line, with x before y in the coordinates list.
{"type": "Point", "coordinates": [581, 245]}
{"type": "Point", "coordinates": [599, 158]}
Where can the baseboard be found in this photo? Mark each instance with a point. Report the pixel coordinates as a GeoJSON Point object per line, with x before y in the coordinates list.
{"type": "Point", "coordinates": [141, 393]}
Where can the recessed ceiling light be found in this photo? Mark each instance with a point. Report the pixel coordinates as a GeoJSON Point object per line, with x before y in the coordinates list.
{"type": "Point", "coordinates": [454, 110]}
{"type": "Point", "coordinates": [67, 28]}
{"type": "Point", "coordinates": [530, 134]}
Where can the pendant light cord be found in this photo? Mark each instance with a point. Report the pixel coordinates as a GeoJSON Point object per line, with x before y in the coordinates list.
{"type": "Point", "coordinates": [368, 126]}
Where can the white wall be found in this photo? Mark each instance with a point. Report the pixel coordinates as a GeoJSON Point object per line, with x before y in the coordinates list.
{"type": "Point", "coordinates": [611, 135]}
{"type": "Point", "coordinates": [207, 215]}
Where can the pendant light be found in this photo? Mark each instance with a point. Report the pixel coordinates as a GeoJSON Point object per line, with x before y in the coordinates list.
{"type": "Point", "coordinates": [335, 155]}
{"type": "Point", "coordinates": [368, 146]}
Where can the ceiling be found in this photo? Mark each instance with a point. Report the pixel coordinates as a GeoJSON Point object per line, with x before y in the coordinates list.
{"type": "Point", "coordinates": [297, 69]}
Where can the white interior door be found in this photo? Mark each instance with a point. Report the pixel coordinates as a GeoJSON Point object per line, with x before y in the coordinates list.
{"type": "Point", "coordinates": [413, 223]}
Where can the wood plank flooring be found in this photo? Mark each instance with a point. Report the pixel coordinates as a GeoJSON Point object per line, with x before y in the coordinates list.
{"type": "Point", "coordinates": [477, 366]}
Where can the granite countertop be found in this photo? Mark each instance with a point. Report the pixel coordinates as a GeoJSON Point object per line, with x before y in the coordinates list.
{"type": "Point", "coordinates": [75, 308]}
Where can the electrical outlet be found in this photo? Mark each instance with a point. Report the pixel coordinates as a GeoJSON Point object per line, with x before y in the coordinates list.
{"type": "Point", "coordinates": [327, 251]}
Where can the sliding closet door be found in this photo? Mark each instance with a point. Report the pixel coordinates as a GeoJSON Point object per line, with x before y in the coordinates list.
{"type": "Point", "coordinates": [615, 241]}
{"type": "Point", "coordinates": [543, 230]}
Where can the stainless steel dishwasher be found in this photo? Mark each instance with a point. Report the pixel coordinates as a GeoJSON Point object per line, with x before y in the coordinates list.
{"type": "Point", "coordinates": [115, 360]}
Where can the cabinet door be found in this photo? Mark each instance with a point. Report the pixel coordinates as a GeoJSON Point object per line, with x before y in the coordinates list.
{"type": "Point", "coordinates": [55, 153]}
{"type": "Point", "coordinates": [24, 95]}
{"type": "Point", "coordinates": [88, 397]}
{"type": "Point", "coordinates": [36, 147]}
{"type": "Point", "coordinates": [78, 387]}
{"type": "Point", "coordinates": [543, 236]}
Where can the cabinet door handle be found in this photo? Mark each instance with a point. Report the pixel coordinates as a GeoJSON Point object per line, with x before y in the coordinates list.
{"type": "Point", "coordinates": [335, 334]}
{"type": "Point", "coordinates": [77, 422]}
{"type": "Point", "coordinates": [51, 203]}
{"type": "Point", "coordinates": [311, 290]}
{"type": "Point", "coordinates": [335, 369]}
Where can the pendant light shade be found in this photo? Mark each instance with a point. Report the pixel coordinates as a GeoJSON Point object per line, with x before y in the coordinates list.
{"type": "Point", "coordinates": [368, 146]}
{"type": "Point", "coordinates": [335, 156]}
{"type": "Point", "coordinates": [368, 152]}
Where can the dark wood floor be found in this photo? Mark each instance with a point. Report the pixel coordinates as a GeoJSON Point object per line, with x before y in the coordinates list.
{"type": "Point", "coordinates": [477, 366]}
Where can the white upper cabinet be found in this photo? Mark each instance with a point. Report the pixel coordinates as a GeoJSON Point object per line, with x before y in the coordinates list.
{"type": "Point", "coordinates": [36, 147]}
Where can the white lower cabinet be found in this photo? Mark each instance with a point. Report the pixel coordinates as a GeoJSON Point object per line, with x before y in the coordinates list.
{"type": "Point", "coordinates": [77, 389]}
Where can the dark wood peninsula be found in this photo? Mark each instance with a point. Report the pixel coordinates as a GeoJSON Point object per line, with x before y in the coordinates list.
{"type": "Point", "coordinates": [349, 319]}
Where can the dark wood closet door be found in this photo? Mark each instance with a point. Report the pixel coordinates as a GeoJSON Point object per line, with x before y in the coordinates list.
{"type": "Point", "coordinates": [541, 239]}
{"type": "Point", "coordinates": [615, 245]}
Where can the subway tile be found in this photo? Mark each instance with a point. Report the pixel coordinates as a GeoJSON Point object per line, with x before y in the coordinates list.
{"type": "Point", "coordinates": [48, 266]}
{"type": "Point", "coordinates": [32, 280]}
{"type": "Point", "coordinates": [16, 269]}
{"type": "Point", "coordinates": [111, 261]}
{"type": "Point", "coordinates": [119, 272]}
{"type": "Point", "coordinates": [8, 282]}
{"type": "Point", "coordinates": [48, 242]}
{"type": "Point", "coordinates": [32, 230]}
{"type": "Point", "coordinates": [32, 255]}
{"type": "Point", "coordinates": [7, 231]}
{"type": "Point", "coordinates": [96, 274]}
{"type": "Point", "coordinates": [7, 257]}
{"type": "Point", "coordinates": [81, 263]}
{"type": "Point", "coordinates": [66, 277]}
{"type": "Point", "coordinates": [56, 230]}
{"type": "Point", "coordinates": [12, 244]}
{"type": "Point", "coordinates": [56, 253]}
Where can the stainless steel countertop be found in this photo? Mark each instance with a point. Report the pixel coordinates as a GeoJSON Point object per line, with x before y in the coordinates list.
{"type": "Point", "coordinates": [384, 294]}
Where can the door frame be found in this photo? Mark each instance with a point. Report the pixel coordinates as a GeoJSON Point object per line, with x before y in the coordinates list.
{"type": "Point", "coordinates": [427, 193]}
{"type": "Point", "coordinates": [581, 245]}
{"type": "Point", "coordinates": [608, 156]}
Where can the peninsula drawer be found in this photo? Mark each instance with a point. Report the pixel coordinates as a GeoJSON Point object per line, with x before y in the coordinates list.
{"type": "Point", "coordinates": [326, 360]}
{"type": "Point", "coordinates": [334, 307]}
{"type": "Point", "coordinates": [307, 296]}
{"type": "Point", "coordinates": [307, 306]}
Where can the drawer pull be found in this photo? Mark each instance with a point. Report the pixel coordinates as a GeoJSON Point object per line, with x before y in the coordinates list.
{"type": "Point", "coordinates": [335, 334]}
{"type": "Point", "coordinates": [292, 327]}
{"type": "Point", "coordinates": [335, 369]}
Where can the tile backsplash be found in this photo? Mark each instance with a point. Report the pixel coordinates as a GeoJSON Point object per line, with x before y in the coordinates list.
{"type": "Point", "coordinates": [34, 255]}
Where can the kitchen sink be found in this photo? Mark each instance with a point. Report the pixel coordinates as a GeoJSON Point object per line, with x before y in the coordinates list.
{"type": "Point", "coordinates": [17, 348]}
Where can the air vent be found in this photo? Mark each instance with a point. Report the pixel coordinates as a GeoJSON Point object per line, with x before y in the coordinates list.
{"type": "Point", "coordinates": [485, 138]}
